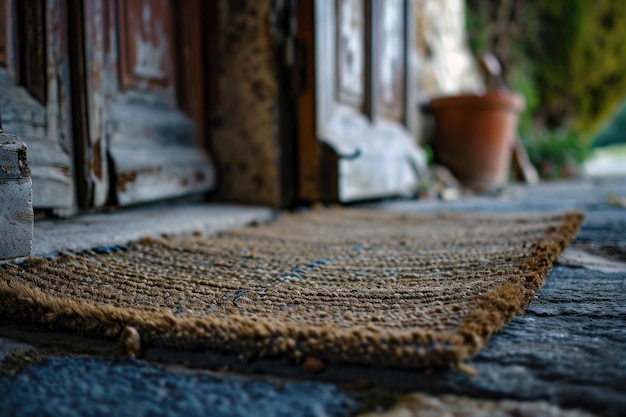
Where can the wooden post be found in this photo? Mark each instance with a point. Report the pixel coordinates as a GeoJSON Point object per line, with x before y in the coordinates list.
{"type": "Point", "coordinates": [16, 209]}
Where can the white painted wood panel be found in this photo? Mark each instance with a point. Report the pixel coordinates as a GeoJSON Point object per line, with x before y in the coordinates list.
{"type": "Point", "coordinates": [385, 160]}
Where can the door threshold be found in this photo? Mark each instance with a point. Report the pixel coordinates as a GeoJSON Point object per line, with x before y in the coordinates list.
{"type": "Point", "coordinates": [87, 231]}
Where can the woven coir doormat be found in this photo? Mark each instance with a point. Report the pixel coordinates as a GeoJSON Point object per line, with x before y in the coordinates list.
{"type": "Point", "coordinates": [349, 286]}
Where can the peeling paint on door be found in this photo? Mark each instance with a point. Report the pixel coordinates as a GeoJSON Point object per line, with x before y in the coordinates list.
{"type": "Point", "coordinates": [150, 46]}
{"type": "Point", "coordinates": [137, 125]}
{"type": "Point", "coordinates": [146, 44]}
{"type": "Point", "coordinates": [39, 112]}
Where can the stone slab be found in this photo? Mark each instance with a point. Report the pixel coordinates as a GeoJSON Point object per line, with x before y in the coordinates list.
{"type": "Point", "coordinates": [16, 218]}
{"type": "Point", "coordinates": [101, 387]}
{"type": "Point", "coordinates": [16, 211]}
{"type": "Point", "coordinates": [569, 346]}
{"type": "Point", "coordinates": [117, 228]}
{"type": "Point", "coordinates": [421, 405]}
{"type": "Point", "coordinates": [13, 164]}
{"type": "Point", "coordinates": [8, 346]}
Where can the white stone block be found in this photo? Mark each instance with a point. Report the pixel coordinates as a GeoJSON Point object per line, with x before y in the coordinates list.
{"type": "Point", "coordinates": [16, 210]}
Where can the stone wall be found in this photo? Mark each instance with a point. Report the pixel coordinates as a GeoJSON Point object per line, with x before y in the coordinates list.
{"type": "Point", "coordinates": [444, 62]}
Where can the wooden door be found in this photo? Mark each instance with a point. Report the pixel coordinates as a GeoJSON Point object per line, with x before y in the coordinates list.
{"type": "Point", "coordinates": [144, 77]}
{"type": "Point", "coordinates": [356, 121]}
{"type": "Point", "coordinates": [34, 95]}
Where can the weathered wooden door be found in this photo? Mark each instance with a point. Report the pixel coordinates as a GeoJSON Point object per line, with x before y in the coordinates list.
{"type": "Point", "coordinates": [144, 96]}
{"type": "Point", "coordinates": [34, 95]}
{"type": "Point", "coordinates": [356, 111]}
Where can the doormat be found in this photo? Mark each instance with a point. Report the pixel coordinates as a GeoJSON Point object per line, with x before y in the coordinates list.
{"type": "Point", "coordinates": [329, 286]}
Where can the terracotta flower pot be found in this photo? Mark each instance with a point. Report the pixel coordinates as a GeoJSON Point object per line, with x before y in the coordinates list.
{"type": "Point", "coordinates": [474, 137]}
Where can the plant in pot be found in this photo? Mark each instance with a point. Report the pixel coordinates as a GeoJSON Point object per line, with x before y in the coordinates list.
{"type": "Point", "coordinates": [475, 134]}
{"type": "Point", "coordinates": [474, 137]}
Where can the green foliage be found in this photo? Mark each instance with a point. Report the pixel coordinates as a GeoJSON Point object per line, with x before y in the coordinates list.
{"type": "Point", "coordinates": [580, 62]}
{"type": "Point", "coordinates": [567, 57]}
{"type": "Point", "coordinates": [614, 132]}
{"type": "Point", "coordinates": [527, 87]}
{"type": "Point", "coordinates": [558, 146]}
{"type": "Point", "coordinates": [568, 60]}
{"type": "Point", "coordinates": [556, 152]}
{"type": "Point", "coordinates": [477, 19]}
{"type": "Point", "coordinates": [429, 153]}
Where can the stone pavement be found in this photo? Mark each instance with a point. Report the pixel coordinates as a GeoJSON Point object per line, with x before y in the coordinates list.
{"type": "Point", "coordinates": [568, 349]}
{"type": "Point", "coordinates": [102, 229]}
{"type": "Point", "coordinates": [100, 387]}
{"type": "Point", "coordinates": [570, 345]}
